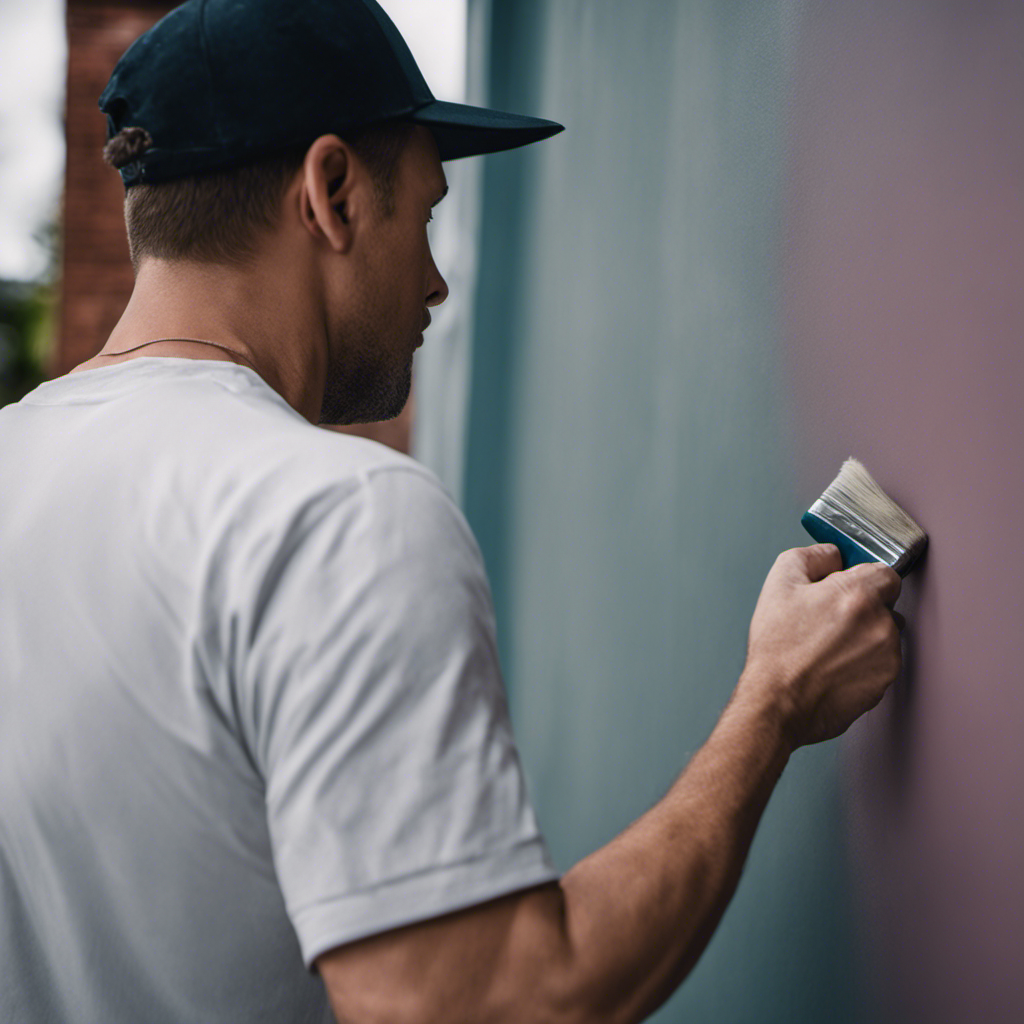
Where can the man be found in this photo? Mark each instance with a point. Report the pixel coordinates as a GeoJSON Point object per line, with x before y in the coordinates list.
{"type": "Point", "coordinates": [255, 757]}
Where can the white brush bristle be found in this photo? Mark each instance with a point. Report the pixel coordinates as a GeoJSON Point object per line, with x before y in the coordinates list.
{"type": "Point", "coordinates": [855, 488]}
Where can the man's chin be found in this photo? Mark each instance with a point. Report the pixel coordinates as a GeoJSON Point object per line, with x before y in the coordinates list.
{"type": "Point", "coordinates": [374, 404]}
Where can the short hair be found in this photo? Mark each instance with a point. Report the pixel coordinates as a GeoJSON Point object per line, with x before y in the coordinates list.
{"type": "Point", "coordinates": [220, 217]}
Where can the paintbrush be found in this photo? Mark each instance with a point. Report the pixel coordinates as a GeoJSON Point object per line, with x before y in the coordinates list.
{"type": "Point", "coordinates": [862, 521]}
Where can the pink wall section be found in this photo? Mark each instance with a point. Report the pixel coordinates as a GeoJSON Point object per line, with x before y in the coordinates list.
{"type": "Point", "coordinates": [904, 325]}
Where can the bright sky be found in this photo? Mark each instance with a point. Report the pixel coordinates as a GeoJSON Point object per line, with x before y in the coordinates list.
{"type": "Point", "coordinates": [33, 64]}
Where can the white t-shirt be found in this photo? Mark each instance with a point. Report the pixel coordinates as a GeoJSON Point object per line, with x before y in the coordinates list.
{"type": "Point", "coordinates": [250, 701]}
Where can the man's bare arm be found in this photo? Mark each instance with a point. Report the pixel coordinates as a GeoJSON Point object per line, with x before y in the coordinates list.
{"type": "Point", "coordinates": [613, 939]}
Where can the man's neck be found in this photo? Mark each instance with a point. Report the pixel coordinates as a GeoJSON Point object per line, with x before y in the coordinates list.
{"type": "Point", "coordinates": [248, 312]}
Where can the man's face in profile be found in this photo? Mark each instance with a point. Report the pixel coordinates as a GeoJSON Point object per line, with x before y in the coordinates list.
{"type": "Point", "coordinates": [370, 355]}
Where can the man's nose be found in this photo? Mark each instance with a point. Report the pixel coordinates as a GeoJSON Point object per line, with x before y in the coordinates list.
{"type": "Point", "coordinates": [437, 287]}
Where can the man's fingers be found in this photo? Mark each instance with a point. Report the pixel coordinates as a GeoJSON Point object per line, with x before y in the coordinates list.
{"type": "Point", "coordinates": [812, 564]}
{"type": "Point", "coordinates": [815, 562]}
{"type": "Point", "coordinates": [888, 581]}
{"type": "Point", "coordinates": [876, 577]}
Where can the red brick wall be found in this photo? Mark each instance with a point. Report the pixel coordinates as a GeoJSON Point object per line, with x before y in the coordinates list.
{"type": "Point", "coordinates": [97, 276]}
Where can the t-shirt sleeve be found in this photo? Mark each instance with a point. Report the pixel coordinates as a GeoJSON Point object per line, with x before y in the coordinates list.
{"type": "Point", "coordinates": [372, 703]}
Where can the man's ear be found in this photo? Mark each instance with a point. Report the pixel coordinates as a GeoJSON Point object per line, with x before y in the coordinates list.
{"type": "Point", "coordinates": [332, 191]}
{"type": "Point", "coordinates": [339, 208]}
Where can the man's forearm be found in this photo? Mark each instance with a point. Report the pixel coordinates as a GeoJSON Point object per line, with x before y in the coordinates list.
{"type": "Point", "coordinates": [639, 911]}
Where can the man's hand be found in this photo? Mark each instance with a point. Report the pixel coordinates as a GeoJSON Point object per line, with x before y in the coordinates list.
{"type": "Point", "coordinates": [824, 642]}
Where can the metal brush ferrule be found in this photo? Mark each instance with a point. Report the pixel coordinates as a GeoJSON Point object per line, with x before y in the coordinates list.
{"type": "Point", "coordinates": [880, 547]}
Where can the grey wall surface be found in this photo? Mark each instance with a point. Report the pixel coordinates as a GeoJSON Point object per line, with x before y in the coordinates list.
{"type": "Point", "coordinates": [631, 469]}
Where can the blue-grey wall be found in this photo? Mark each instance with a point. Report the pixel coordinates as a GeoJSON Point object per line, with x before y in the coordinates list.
{"type": "Point", "coordinates": [631, 470]}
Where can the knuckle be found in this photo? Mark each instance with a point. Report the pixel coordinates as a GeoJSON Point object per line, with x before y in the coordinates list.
{"type": "Point", "coordinates": [887, 578]}
{"type": "Point", "coordinates": [866, 571]}
{"type": "Point", "coordinates": [884, 576]}
{"type": "Point", "coordinates": [857, 598]}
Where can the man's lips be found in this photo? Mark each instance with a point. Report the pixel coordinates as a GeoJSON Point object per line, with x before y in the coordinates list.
{"type": "Point", "coordinates": [426, 324]}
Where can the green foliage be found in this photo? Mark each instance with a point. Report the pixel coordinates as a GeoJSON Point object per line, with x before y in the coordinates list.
{"type": "Point", "coordinates": [27, 327]}
{"type": "Point", "coordinates": [28, 320]}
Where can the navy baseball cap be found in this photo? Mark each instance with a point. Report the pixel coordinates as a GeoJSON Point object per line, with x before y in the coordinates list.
{"type": "Point", "coordinates": [219, 83]}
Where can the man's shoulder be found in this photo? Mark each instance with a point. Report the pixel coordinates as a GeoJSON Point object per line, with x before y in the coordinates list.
{"type": "Point", "coordinates": [323, 458]}
{"type": "Point", "coordinates": [305, 474]}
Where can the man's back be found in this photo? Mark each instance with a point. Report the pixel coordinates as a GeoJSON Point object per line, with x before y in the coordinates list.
{"type": "Point", "coordinates": [172, 814]}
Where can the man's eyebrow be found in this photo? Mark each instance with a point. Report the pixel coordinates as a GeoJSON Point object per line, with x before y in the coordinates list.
{"type": "Point", "coordinates": [440, 197]}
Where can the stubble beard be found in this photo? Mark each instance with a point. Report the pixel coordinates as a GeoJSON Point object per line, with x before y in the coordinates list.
{"type": "Point", "coordinates": [363, 385]}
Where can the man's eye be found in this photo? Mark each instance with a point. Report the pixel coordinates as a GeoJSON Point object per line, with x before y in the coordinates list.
{"type": "Point", "coordinates": [431, 217]}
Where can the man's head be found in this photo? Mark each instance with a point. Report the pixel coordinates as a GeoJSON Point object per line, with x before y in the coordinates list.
{"type": "Point", "coordinates": [294, 142]}
{"type": "Point", "coordinates": [352, 213]}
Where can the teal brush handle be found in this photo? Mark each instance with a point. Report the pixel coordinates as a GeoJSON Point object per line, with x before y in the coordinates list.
{"type": "Point", "coordinates": [825, 533]}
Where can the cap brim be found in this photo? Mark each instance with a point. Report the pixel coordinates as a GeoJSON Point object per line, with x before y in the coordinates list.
{"type": "Point", "coordinates": [461, 130]}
